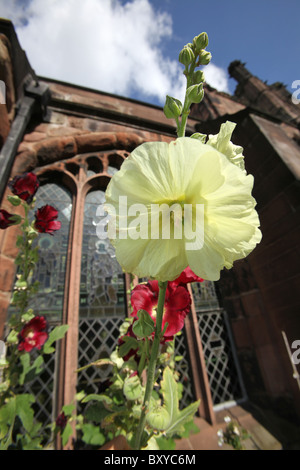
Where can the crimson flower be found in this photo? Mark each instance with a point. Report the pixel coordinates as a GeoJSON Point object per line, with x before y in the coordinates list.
{"type": "Point", "coordinates": [186, 277]}
{"type": "Point", "coordinates": [5, 219]}
{"type": "Point", "coordinates": [25, 186]}
{"type": "Point", "coordinates": [176, 307]}
{"type": "Point", "coordinates": [45, 219]}
{"type": "Point", "coordinates": [33, 335]}
{"type": "Point", "coordinates": [61, 421]}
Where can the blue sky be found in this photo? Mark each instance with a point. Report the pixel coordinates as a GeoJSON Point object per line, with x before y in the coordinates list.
{"type": "Point", "coordinates": [130, 47]}
{"type": "Point", "coordinates": [263, 33]}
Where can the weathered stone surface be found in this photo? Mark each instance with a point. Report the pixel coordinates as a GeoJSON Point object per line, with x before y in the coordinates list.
{"type": "Point", "coordinates": [6, 273]}
{"type": "Point", "coordinates": [6, 74]}
{"type": "Point", "coordinates": [24, 161]}
{"type": "Point", "coordinates": [35, 137]}
{"type": "Point", "coordinates": [51, 150]}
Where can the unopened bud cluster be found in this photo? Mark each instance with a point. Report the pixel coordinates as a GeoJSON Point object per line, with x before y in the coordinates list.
{"type": "Point", "coordinates": [195, 52]}
{"type": "Point", "coordinates": [193, 55]}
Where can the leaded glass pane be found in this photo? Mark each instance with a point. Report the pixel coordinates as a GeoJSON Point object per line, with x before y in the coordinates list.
{"type": "Point", "coordinates": [111, 170]}
{"type": "Point", "coordinates": [221, 362]}
{"type": "Point", "coordinates": [204, 294]}
{"type": "Point", "coordinates": [51, 267]}
{"type": "Point", "coordinates": [102, 280]}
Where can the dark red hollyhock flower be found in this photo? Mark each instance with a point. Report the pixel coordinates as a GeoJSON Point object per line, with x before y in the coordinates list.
{"type": "Point", "coordinates": [33, 335]}
{"type": "Point", "coordinates": [104, 385]}
{"type": "Point", "coordinates": [61, 421]}
{"type": "Point", "coordinates": [45, 219]}
{"type": "Point", "coordinates": [176, 307]}
{"type": "Point", "coordinates": [186, 277]}
{"type": "Point", "coordinates": [25, 186]}
{"type": "Point", "coordinates": [5, 219]}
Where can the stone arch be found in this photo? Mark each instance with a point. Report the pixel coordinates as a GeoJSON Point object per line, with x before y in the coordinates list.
{"type": "Point", "coordinates": [46, 151]}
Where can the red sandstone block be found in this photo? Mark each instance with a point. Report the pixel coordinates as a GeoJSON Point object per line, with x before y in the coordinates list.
{"type": "Point", "coordinates": [252, 303]}
{"type": "Point", "coordinates": [4, 303]}
{"type": "Point", "coordinates": [7, 273]}
{"type": "Point", "coordinates": [35, 137]}
{"type": "Point", "coordinates": [259, 330]}
{"type": "Point", "coordinates": [95, 141]}
{"type": "Point", "coordinates": [277, 208]}
{"type": "Point", "coordinates": [25, 161]}
{"type": "Point", "coordinates": [241, 333]}
{"type": "Point", "coordinates": [8, 245]}
{"type": "Point", "coordinates": [51, 150]}
{"type": "Point", "coordinates": [282, 294]}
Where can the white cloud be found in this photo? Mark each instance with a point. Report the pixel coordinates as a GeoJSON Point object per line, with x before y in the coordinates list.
{"type": "Point", "coordinates": [216, 77]}
{"type": "Point", "coordinates": [110, 45]}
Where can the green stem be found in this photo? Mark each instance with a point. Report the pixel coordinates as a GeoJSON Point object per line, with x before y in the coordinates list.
{"type": "Point", "coordinates": [186, 106]}
{"type": "Point", "coordinates": [182, 126]}
{"type": "Point", "coordinates": [152, 363]}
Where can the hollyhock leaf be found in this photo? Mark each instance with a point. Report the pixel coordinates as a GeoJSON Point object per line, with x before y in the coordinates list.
{"type": "Point", "coordinates": [66, 434]}
{"type": "Point", "coordinates": [92, 435]}
{"type": "Point", "coordinates": [144, 326]}
{"type": "Point", "coordinates": [24, 410]}
{"type": "Point", "coordinates": [165, 444]}
{"type": "Point", "coordinates": [170, 393]}
{"type": "Point", "coordinates": [7, 418]}
{"type": "Point", "coordinates": [132, 388]}
{"type": "Point", "coordinates": [56, 334]}
{"type": "Point", "coordinates": [30, 370]}
{"type": "Point", "coordinates": [178, 418]}
{"type": "Point", "coordinates": [129, 343]}
{"type": "Point", "coordinates": [100, 398]}
{"type": "Point", "coordinates": [96, 412]}
{"type": "Point", "coordinates": [183, 417]}
{"type": "Point", "coordinates": [190, 428]}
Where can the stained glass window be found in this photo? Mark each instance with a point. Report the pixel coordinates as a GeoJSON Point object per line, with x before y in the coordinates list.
{"type": "Point", "coordinates": [51, 267]}
{"type": "Point", "coordinates": [102, 280]}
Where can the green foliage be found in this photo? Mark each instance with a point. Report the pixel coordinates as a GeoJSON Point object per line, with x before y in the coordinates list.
{"type": "Point", "coordinates": [178, 418]}
{"type": "Point", "coordinates": [56, 334]}
{"type": "Point", "coordinates": [118, 409]}
{"type": "Point", "coordinates": [144, 326]}
{"type": "Point", "coordinates": [19, 428]}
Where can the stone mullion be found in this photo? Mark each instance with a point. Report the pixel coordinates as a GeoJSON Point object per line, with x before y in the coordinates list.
{"type": "Point", "coordinates": [198, 367]}
{"type": "Point", "coordinates": [72, 306]}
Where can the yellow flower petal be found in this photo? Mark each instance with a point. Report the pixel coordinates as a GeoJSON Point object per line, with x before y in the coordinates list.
{"type": "Point", "coordinates": [186, 171]}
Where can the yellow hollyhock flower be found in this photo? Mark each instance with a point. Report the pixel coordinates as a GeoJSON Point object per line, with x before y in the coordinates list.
{"type": "Point", "coordinates": [221, 142]}
{"type": "Point", "coordinates": [185, 174]}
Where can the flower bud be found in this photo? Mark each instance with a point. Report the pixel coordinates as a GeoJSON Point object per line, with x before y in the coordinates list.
{"type": "Point", "coordinates": [198, 77]}
{"type": "Point", "coordinates": [186, 56]}
{"type": "Point", "coordinates": [14, 200]}
{"type": "Point", "coordinates": [200, 42]}
{"type": "Point", "coordinates": [172, 108]}
{"type": "Point", "coordinates": [204, 57]}
{"type": "Point", "coordinates": [195, 93]}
